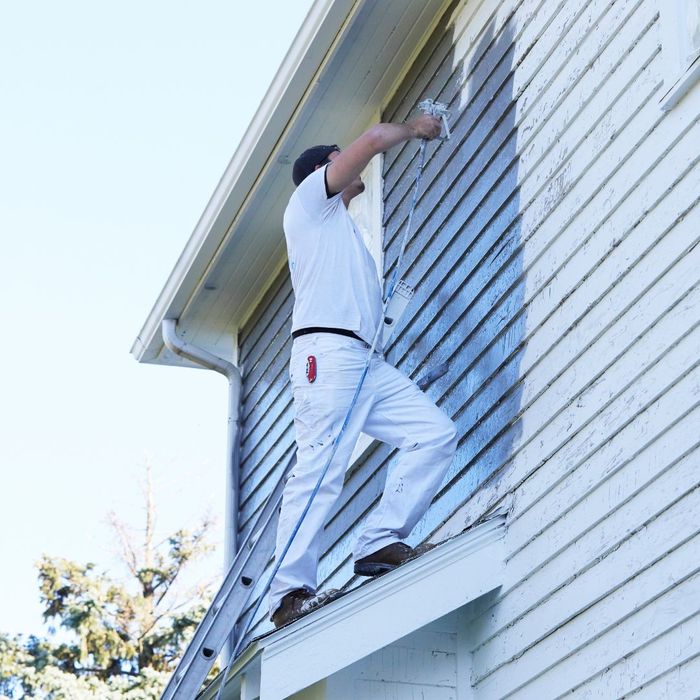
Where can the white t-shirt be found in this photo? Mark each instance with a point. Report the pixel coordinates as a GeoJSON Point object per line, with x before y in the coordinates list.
{"type": "Point", "coordinates": [333, 274]}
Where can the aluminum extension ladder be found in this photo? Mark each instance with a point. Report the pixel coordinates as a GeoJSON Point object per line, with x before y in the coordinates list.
{"type": "Point", "coordinates": [228, 604]}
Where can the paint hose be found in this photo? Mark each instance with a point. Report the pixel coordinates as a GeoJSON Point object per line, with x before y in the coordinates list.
{"type": "Point", "coordinates": [438, 110]}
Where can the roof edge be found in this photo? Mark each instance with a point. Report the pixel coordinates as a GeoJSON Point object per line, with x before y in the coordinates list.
{"type": "Point", "coordinates": [302, 61]}
{"type": "Point", "coordinates": [478, 548]}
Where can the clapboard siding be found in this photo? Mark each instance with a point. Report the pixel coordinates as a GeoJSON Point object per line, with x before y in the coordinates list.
{"type": "Point", "coordinates": [539, 613]}
{"type": "Point", "coordinates": [433, 308]}
{"type": "Point", "coordinates": [468, 348]}
{"type": "Point", "coordinates": [555, 259]}
{"type": "Point", "coordinates": [267, 437]}
{"type": "Point", "coordinates": [526, 86]}
{"type": "Point", "coordinates": [424, 664]}
{"type": "Point", "coordinates": [602, 591]}
{"type": "Point", "coordinates": [679, 682]}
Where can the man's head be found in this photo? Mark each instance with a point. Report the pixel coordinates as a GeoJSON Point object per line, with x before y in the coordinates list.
{"type": "Point", "coordinates": [309, 160]}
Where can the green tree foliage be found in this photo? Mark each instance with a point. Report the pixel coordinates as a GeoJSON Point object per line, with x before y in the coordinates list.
{"type": "Point", "coordinates": [110, 639]}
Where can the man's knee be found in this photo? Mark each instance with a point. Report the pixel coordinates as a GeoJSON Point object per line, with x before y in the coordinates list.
{"type": "Point", "coordinates": [451, 436]}
{"type": "Point", "coordinates": [444, 436]}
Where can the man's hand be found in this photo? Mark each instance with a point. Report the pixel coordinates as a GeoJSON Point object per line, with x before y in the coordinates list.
{"type": "Point", "coordinates": [346, 166]}
{"type": "Point", "coordinates": [425, 127]}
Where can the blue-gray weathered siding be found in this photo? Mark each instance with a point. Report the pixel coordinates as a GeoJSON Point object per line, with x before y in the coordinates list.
{"type": "Point", "coordinates": [267, 436]}
{"type": "Point", "coordinates": [463, 260]}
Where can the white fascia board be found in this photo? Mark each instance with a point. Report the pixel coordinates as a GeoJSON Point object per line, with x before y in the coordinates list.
{"type": "Point", "coordinates": [448, 577]}
{"type": "Point", "coordinates": [376, 614]}
{"type": "Point", "coordinates": [304, 58]}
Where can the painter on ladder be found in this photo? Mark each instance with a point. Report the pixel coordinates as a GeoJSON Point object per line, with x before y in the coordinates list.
{"type": "Point", "coordinates": [337, 309]}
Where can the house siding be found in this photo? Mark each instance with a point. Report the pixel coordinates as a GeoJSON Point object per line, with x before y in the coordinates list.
{"type": "Point", "coordinates": [267, 433]}
{"type": "Point", "coordinates": [555, 262]}
{"type": "Point", "coordinates": [600, 471]}
{"type": "Point", "coordinates": [423, 664]}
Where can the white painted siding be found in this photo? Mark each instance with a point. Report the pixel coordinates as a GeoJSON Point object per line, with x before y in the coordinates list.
{"type": "Point", "coordinates": [421, 665]}
{"type": "Point", "coordinates": [601, 475]}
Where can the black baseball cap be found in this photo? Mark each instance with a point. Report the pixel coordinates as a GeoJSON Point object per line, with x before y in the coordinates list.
{"type": "Point", "coordinates": [306, 163]}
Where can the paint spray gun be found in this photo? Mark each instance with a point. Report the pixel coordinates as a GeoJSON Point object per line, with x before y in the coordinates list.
{"type": "Point", "coordinates": [401, 292]}
{"type": "Point", "coordinates": [439, 110]}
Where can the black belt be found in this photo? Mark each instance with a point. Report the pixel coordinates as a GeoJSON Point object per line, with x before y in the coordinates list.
{"type": "Point", "coordinates": [337, 331]}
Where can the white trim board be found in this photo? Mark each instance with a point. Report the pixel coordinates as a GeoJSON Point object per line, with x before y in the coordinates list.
{"type": "Point", "coordinates": [372, 616]}
{"type": "Point", "coordinates": [680, 45]}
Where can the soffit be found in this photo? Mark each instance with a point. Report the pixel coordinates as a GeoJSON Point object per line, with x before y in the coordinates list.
{"type": "Point", "coordinates": [336, 76]}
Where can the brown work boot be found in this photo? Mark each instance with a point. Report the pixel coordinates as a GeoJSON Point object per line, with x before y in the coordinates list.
{"type": "Point", "coordinates": [299, 602]}
{"type": "Point", "coordinates": [388, 558]}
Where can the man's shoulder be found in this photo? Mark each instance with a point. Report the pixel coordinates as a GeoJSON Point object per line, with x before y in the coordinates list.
{"type": "Point", "coordinates": [295, 210]}
{"type": "Point", "coordinates": [312, 197]}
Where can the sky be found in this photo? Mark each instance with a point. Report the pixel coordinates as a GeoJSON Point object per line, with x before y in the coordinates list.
{"type": "Point", "coordinates": [116, 122]}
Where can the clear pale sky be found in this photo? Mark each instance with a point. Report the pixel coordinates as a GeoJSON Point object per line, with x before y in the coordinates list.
{"type": "Point", "coordinates": [116, 122]}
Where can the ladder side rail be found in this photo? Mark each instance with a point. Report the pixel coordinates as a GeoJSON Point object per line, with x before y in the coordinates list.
{"type": "Point", "coordinates": [185, 684]}
{"type": "Point", "coordinates": [244, 622]}
{"type": "Point", "coordinates": [228, 604]}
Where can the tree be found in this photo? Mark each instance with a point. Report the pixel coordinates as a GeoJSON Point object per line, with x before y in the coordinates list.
{"type": "Point", "coordinates": [111, 638]}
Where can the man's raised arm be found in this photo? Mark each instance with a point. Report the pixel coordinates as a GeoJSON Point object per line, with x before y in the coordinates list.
{"type": "Point", "coordinates": [351, 161]}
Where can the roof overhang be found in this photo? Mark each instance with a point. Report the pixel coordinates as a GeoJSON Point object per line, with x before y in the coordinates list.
{"type": "Point", "coordinates": [441, 581]}
{"type": "Point", "coordinates": [339, 72]}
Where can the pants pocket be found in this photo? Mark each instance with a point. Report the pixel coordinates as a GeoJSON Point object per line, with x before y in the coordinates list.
{"type": "Point", "coordinates": [338, 364]}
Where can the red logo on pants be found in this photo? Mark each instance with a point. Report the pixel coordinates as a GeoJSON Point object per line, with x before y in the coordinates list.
{"type": "Point", "coordinates": [311, 368]}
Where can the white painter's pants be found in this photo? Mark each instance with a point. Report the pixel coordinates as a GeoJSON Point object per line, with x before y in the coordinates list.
{"type": "Point", "coordinates": [390, 408]}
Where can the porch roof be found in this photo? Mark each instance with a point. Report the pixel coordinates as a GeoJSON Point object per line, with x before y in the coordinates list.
{"type": "Point", "coordinates": [444, 579]}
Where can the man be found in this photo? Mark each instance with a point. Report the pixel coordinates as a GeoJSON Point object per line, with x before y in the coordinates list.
{"type": "Point", "coordinates": [337, 309]}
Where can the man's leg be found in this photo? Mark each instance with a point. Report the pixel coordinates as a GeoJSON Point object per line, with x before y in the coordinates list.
{"type": "Point", "coordinates": [320, 408]}
{"type": "Point", "coordinates": [403, 416]}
